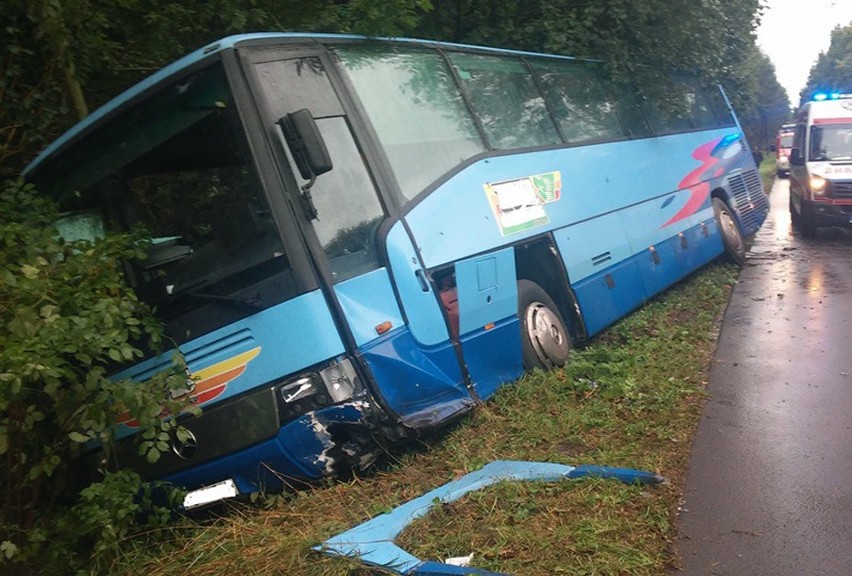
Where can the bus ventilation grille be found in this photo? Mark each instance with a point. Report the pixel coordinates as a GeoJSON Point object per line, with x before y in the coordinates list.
{"type": "Point", "coordinates": [749, 198]}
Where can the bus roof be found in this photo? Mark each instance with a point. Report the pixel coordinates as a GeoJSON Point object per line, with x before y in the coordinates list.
{"type": "Point", "coordinates": [227, 43]}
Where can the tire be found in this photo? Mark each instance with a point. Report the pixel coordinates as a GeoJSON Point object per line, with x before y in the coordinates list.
{"type": "Point", "coordinates": [545, 340]}
{"type": "Point", "coordinates": [795, 218]}
{"type": "Point", "coordinates": [732, 236]}
{"type": "Point", "coordinates": [806, 223]}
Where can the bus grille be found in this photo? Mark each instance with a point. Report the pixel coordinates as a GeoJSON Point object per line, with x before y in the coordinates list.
{"type": "Point", "coordinates": [841, 189]}
{"type": "Point", "coordinates": [751, 202]}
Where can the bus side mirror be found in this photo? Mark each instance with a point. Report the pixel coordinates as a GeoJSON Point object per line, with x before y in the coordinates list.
{"type": "Point", "coordinates": [306, 143]}
{"type": "Point", "coordinates": [796, 158]}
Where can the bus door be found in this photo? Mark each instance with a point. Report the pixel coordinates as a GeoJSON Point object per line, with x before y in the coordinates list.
{"type": "Point", "coordinates": [406, 350]}
{"type": "Point", "coordinates": [488, 328]}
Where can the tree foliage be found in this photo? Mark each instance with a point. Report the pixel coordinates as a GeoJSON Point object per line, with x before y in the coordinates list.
{"type": "Point", "coordinates": [713, 38]}
{"type": "Point", "coordinates": [65, 318]}
{"type": "Point", "coordinates": [833, 68]}
{"type": "Point", "coordinates": [768, 107]}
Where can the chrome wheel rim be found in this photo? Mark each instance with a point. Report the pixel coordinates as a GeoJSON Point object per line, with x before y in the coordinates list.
{"type": "Point", "coordinates": [546, 334]}
{"type": "Point", "coordinates": [730, 230]}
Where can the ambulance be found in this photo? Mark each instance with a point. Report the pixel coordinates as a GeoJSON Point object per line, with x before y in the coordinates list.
{"type": "Point", "coordinates": [821, 164]}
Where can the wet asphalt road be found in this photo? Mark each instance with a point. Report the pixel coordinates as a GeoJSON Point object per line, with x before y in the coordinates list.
{"type": "Point", "coordinates": [769, 489]}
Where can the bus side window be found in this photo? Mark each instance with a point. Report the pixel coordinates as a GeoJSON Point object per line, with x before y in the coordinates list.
{"type": "Point", "coordinates": [579, 101]}
{"type": "Point", "coordinates": [416, 110]}
{"type": "Point", "coordinates": [506, 100]}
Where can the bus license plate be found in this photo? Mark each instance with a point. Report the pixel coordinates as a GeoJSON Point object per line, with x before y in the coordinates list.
{"type": "Point", "coordinates": [212, 493]}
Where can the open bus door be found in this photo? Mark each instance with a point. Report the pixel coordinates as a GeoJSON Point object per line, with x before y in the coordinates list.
{"type": "Point", "coordinates": [387, 310]}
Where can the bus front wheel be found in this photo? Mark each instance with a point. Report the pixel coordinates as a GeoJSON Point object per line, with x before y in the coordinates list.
{"type": "Point", "coordinates": [545, 341]}
{"type": "Point", "coordinates": [732, 237]}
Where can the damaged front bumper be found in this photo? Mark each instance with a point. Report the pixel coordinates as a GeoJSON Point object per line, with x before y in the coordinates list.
{"type": "Point", "coordinates": [314, 424]}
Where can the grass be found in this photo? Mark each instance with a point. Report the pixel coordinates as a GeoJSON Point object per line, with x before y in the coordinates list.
{"type": "Point", "coordinates": [631, 398]}
{"type": "Point", "coordinates": [767, 170]}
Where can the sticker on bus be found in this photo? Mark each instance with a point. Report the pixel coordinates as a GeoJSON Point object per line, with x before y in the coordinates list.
{"type": "Point", "coordinates": [518, 205]}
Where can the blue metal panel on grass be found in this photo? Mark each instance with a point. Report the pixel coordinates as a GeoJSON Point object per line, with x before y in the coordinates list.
{"type": "Point", "coordinates": [373, 541]}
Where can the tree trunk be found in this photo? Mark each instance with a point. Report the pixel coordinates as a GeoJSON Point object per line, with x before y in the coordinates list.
{"type": "Point", "coordinates": [50, 30]}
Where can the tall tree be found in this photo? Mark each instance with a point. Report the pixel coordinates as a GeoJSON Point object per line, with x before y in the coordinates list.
{"type": "Point", "coordinates": [833, 68]}
{"type": "Point", "coordinates": [768, 105]}
{"type": "Point", "coordinates": [714, 38]}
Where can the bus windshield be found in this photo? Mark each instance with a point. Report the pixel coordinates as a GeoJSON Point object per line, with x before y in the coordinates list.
{"type": "Point", "coordinates": [175, 168]}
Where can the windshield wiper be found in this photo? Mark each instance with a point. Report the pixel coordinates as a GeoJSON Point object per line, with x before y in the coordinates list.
{"type": "Point", "coordinates": [248, 303]}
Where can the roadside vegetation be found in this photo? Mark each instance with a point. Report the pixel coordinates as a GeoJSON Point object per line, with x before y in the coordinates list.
{"type": "Point", "coordinates": [631, 398]}
{"type": "Point", "coordinates": [767, 170]}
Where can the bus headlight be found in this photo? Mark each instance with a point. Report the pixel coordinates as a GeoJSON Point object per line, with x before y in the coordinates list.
{"type": "Point", "coordinates": [818, 185]}
{"type": "Point", "coordinates": [336, 383]}
{"type": "Point", "coordinates": [339, 380]}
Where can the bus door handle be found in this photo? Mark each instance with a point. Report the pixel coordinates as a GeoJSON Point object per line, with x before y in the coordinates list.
{"type": "Point", "coordinates": [421, 277]}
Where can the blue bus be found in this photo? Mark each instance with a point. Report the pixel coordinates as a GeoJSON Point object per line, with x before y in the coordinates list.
{"type": "Point", "coordinates": [355, 241]}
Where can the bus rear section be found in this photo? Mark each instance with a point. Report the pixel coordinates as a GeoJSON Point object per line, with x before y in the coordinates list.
{"type": "Point", "coordinates": [821, 164]}
{"type": "Point", "coordinates": [354, 242]}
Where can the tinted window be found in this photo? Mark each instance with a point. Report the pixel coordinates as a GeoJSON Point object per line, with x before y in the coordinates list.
{"type": "Point", "coordinates": [506, 100]}
{"type": "Point", "coordinates": [175, 167]}
{"type": "Point", "coordinates": [681, 103]}
{"type": "Point", "coordinates": [348, 209]}
{"type": "Point", "coordinates": [582, 107]}
{"type": "Point", "coordinates": [416, 110]}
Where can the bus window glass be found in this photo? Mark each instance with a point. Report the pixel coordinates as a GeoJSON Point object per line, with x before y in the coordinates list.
{"type": "Point", "coordinates": [580, 104]}
{"type": "Point", "coordinates": [291, 84]}
{"type": "Point", "coordinates": [680, 104]}
{"type": "Point", "coordinates": [699, 102]}
{"type": "Point", "coordinates": [506, 100]}
{"type": "Point", "coordinates": [716, 101]}
{"type": "Point", "coordinates": [174, 167]}
{"type": "Point", "coordinates": [345, 198]}
{"type": "Point", "coordinates": [348, 208]}
{"type": "Point", "coordinates": [631, 112]}
{"type": "Point", "coordinates": [416, 110]}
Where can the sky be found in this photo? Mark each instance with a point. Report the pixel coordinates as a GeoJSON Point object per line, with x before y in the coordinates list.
{"type": "Point", "coordinates": [792, 33]}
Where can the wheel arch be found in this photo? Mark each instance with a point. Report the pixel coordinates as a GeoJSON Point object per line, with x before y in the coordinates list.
{"type": "Point", "coordinates": [538, 260]}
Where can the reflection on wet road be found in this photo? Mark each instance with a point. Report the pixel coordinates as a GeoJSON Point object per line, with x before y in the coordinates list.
{"type": "Point", "coordinates": [768, 490]}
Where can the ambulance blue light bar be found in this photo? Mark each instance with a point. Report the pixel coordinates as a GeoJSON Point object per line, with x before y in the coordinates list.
{"type": "Point", "coordinates": [822, 96]}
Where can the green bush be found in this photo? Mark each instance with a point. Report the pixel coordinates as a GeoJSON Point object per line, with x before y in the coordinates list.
{"type": "Point", "coordinates": [66, 317]}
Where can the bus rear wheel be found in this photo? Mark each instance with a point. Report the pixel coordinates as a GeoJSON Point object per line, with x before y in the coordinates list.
{"type": "Point", "coordinates": [545, 341]}
{"type": "Point", "coordinates": [732, 237]}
